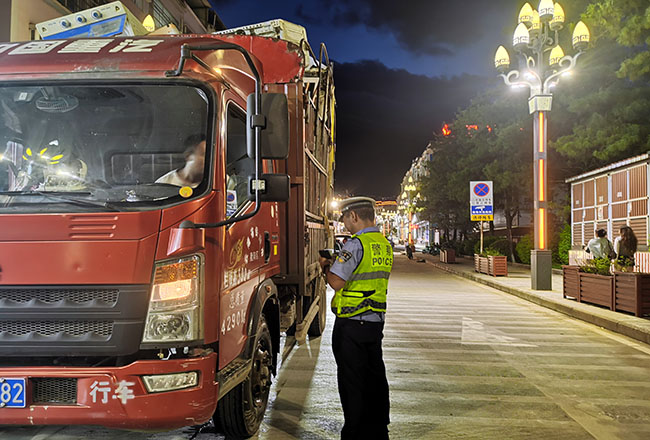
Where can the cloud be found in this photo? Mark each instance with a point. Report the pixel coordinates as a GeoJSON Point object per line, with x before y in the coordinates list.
{"type": "Point", "coordinates": [423, 27]}
{"type": "Point", "coordinates": [385, 118]}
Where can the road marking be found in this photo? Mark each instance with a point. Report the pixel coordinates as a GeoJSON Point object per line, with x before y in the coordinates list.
{"type": "Point", "coordinates": [476, 333]}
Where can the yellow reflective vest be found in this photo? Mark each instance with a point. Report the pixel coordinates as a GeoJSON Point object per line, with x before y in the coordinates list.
{"type": "Point", "coordinates": [367, 287]}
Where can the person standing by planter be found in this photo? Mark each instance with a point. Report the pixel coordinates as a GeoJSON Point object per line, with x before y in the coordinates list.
{"type": "Point", "coordinates": [625, 247]}
{"type": "Point", "coordinates": [600, 246]}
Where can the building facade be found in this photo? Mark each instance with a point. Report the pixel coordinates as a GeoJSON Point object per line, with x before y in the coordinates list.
{"type": "Point", "coordinates": [385, 214]}
{"type": "Point", "coordinates": [410, 227]}
{"type": "Point", "coordinates": [608, 198]}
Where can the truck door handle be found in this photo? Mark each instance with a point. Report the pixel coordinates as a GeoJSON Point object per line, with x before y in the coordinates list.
{"type": "Point", "coordinates": [267, 247]}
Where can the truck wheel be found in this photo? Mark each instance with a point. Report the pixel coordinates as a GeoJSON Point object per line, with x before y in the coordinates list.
{"type": "Point", "coordinates": [317, 326]}
{"type": "Point", "coordinates": [240, 412]}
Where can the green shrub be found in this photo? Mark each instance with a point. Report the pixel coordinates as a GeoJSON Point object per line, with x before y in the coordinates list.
{"type": "Point", "coordinates": [468, 246]}
{"type": "Point", "coordinates": [502, 246]}
{"type": "Point", "coordinates": [624, 264]}
{"type": "Point", "coordinates": [491, 252]}
{"type": "Point", "coordinates": [599, 266]}
{"type": "Point", "coordinates": [563, 245]}
{"type": "Point", "coordinates": [523, 248]}
{"type": "Point", "coordinates": [487, 242]}
{"type": "Point", "coordinates": [446, 245]}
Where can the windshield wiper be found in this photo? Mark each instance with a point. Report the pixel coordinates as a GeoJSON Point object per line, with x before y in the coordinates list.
{"type": "Point", "coordinates": [44, 193]}
{"type": "Point", "coordinates": [64, 196]}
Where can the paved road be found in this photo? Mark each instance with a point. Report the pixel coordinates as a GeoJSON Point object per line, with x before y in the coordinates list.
{"type": "Point", "coordinates": [464, 362]}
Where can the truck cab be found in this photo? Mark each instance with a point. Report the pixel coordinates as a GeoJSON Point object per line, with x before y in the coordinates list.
{"type": "Point", "coordinates": [145, 271]}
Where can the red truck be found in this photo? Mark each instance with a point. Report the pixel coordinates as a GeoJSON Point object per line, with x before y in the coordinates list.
{"type": "Point", "coordinates": [135, 302]}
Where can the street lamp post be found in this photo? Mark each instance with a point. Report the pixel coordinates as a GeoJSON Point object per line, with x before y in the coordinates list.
{"type": "Point", "coordinates": [409, 189]}
{"type": "Point", "coordinates": [536, 41]}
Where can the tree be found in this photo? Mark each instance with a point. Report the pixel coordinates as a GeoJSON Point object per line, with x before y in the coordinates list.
{"type": "Point", "coordinates": [597, 117]}
{"type": "Point", "coordinates": [628, 23]}
{"type": "Point", "coordinates": [491, 139]}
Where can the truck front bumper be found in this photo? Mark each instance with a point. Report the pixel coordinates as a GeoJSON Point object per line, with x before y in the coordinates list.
{"type": "Point", "coordinates": [115, 397]}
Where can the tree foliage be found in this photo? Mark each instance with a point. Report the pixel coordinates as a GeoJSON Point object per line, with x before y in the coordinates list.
{"type": "Point", "coordinates": [601, 114]}
{"type": "Point", "coordinates": [628, 23]}
{"type": "Point", "coordinates": [495, 126]}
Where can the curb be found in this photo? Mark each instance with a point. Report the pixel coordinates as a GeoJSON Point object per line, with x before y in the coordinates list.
{"type": "Point", "coordinates": [510, 263]}
{"type": "Point", "coordinates": [630, 326]}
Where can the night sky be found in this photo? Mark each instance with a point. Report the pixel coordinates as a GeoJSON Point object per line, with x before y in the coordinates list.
{"type": "Point", "coordinates": [401, 70]}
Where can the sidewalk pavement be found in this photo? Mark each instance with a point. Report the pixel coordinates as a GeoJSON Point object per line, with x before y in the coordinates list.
{"type": "Point", "coordinates": [518, 283]}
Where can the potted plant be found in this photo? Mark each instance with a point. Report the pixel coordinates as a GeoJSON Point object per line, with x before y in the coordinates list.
{"type": "Point", "coordinates": [447, 253]}
{"type": "Point", "coordinates": [571, 282]}
{"type": "Point", "coordinates": [491, 262]}
{"type": "Point", "coordinates": [480, 263]}
{"type": "Point", "coordinates": [631, 289]}
{"type": "Point", "coordinates": [597, 282]}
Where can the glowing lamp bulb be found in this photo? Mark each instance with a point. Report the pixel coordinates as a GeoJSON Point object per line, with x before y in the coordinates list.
{"type": "Point", "coordinates": [580, 36]}
{"type": "Point", "coordinates": [536, 25]}
{"type": "Point", "coordinates": [556, 56]}
{"type": "Point", "coordinates": [521, 37]}
{"type": "Point", "coordinates": [148, 23]}
{"type": "Point", "coordinates": [546, 9]}
{"type": "Point", "coordinates": [502, 59]}
{"type": "Point", "coordinates": [526, 14]}
{"type": "Point", "coordinates": [557, 22]}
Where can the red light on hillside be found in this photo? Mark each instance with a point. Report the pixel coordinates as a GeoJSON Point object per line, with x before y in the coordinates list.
{"type": "Point", "coordinates": [446, 131]}
{"type": "Point", "coordinates": [472, 127]}
{"type": "Point", "coordinates": [489, 128]}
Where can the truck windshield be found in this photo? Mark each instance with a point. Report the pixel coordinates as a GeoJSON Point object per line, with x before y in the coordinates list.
{"type": "Point", "coordinates": [101, 147]}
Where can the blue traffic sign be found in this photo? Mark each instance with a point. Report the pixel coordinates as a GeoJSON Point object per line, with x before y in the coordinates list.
{"type": "Point", "coordinates": [482, 210]}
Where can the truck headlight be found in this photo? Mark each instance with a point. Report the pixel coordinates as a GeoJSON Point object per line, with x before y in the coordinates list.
{"type": "Point", "coordinates": [175, 306]}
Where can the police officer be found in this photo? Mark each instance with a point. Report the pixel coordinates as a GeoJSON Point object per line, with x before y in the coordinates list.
{"type": "Point", "coordinates": [359, 276]}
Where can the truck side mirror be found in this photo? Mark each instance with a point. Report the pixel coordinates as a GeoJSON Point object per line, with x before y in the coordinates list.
{"type": "Point", "coordinates": [274, 139]}
{"type": "Point", "coordinates": [273, 187]}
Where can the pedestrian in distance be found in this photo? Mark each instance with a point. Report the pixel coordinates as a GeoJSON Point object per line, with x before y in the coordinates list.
{"type": "Point", "coordinates": [359, 277]}
{"type": "Point", "coordinates": [409, 250]}
{"type": "Point", "coordinates": [625, 247]}
{"type": "Point", "coordinates": [600, 246]}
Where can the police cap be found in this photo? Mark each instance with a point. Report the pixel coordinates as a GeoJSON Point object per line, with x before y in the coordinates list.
{"type": "Point", "coordinates": [355, 202]}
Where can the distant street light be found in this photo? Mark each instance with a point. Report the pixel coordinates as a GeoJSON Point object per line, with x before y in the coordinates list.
{"type": "Point", "coordinates": [536, 41]}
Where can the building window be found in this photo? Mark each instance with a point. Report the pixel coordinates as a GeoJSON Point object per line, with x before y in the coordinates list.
{"type": "Point", "coordinates": [162, 17]}
{"type": "Point", "coordinates": [142, 5]}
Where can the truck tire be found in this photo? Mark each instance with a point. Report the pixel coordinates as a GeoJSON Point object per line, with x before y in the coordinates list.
{"type": "Point", "coordinates": [240, 412]}
{"type": "Point", "coordinates": [317, 326]}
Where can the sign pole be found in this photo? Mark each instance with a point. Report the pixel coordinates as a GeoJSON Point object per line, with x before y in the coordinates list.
{"type": "Point", "coordinates": [481, 203]}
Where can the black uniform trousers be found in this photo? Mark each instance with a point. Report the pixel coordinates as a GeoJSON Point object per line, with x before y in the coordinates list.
{"type": "Point", "coordinates": [361, 375]}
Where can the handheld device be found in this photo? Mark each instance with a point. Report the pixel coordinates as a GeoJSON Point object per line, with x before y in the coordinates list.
{"type": "Point", "coordinates": [326, 253]}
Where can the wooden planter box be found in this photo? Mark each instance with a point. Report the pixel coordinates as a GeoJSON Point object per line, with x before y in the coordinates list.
{"type": "Point", "coordinates": [447, 256]}
{"type": "Point", "coordinates": [597, 289]}
{"type": "Point", "coordinates": [492, 265]}
{"type": "Point", "coordinates": [632, 293]}
{"type": "Point", "coordinates": [571, 282]}
{"type": "Point", "coordinates": [480, 264]}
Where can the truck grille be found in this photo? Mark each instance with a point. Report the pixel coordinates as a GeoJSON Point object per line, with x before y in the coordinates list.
{"type": "Point", "coordinates": [72, 320]}
{"type": "Point", "coordinates": [49, 328]}
{"type": "Point", "coordinates": [53, 390]}
{"type": "Point", "coordinates": [53, 296]}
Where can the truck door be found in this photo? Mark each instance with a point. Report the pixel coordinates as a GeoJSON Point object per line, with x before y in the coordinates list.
{"type": "Point", "coordinates": [243, 240]}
